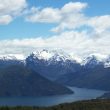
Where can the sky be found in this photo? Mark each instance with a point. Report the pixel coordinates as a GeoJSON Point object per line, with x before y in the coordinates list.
{"type": "Point", "coordinates": [80, 27]}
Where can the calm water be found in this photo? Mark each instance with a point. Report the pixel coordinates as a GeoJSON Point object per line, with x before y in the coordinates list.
{"type": "Point", "coordinates": [79, 94]}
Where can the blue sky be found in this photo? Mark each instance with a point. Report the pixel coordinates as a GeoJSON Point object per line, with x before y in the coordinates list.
{"type": "Point", "coordinates": [80, 27]}
{"type": "Point", "coordinates": [19, 28]}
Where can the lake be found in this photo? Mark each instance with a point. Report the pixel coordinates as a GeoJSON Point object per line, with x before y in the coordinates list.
{"type": "Point", "coordinates": [79, 94]}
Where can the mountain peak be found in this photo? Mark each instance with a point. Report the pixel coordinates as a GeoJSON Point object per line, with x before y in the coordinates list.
{"type": "Point", "coordinates": [12, 57]}
{"type": "Point", "coordinates": [43, 54]}
{"type": "Point", "coordinates": [48, 55]}
{"type": "Point", "coordinates": [92, 60]}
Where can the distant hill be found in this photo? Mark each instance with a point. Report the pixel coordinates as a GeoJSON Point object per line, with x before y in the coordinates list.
{"type": "Point", "coordinates": [105, 96]}
{"type": "Point", "coordinates": [95, 78]}
{"type": "Point", "coordinates": [18, 80]}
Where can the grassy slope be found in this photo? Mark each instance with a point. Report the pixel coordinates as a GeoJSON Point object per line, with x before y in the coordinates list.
{"type": "Point", "coordinates": [82, 105]}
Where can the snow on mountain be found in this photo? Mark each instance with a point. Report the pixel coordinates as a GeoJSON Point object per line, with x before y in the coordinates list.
{"type": "Point", "coordinates": [91, 60]}
{"type": "Point", "coordinates": [12, 57]}
{"type": "Point", "coordinates": [56, 55]}
{"type": "Point", "coordinates": [96, 59]}
{"type": "Point", "coordinates": [107, 62]}
{"type": "Point", "coordinates": [44, 54]}
{"type": "Point", "coordinates": [60, 55]}
{"type": "Point", "coordinates": [100, 57]}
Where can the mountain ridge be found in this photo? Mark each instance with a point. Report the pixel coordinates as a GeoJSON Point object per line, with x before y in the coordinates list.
{"type": "Point", "coordinates": [59, 55]}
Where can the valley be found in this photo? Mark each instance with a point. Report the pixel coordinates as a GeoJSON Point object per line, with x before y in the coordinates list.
{"type": "Point", "coordinates": [49, 73]}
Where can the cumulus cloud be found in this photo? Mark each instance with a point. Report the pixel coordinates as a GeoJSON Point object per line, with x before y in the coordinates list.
{"type": "Point", "coordinates": [79, 33]}
{"type": "Point", "coordinates": [69, 16]}
{"type": "Point", "coordinates": [100, 23]}
{"type": "Point", "coordinates": [48, 15]}
{"type": "Point", "coordinates": [5, 19]}
{"type": "Point", "coordinates": [10, 9]}
{"type": "Point", "coordinates": [77, 43]}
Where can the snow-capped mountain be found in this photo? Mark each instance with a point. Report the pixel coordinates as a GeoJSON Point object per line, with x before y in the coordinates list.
{"type": "Point", "coordinates": [52, 64]}
{"type": "Point", "coordinates": [91, 61]}
{"type": "Point", "coordinates": [59, 56]}
{"type": "Point", "coordinates": [53, 55]}
{"type": "Point", "coordinates": [12, 57]}
{"type": "Point", "coordinates": [96, 59]}
{"type": "Point", "coordinates": [107, 62]}
{"type": "Point", "coordinates": [94, 74]}
{"type": "Point", "coordinates": [65, 68]}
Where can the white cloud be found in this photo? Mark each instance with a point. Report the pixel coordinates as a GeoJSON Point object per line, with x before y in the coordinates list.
{"type": "Point", "coordinates": [74, 37]}
{"type": "Point", "coordinates": [72, 22]}
{"type": "Point", "coordinates": [73, 7]}
{"type": "Point", "coordinates": [100, 23]}
{"type": "Point", "coordinates": [69, 16]}
{"type": "Point", "coordinates": [48, 15]}
{"type": "Point", "coordinates": [10, 9]}
{"type": "Point", "coordinates": [5, 19]}
{"type": "Point", "coordinates": [77, 43]}
{"type": "Point", "coordinates": [72, 16]}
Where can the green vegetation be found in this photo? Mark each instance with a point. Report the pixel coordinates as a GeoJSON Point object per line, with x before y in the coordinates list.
{"type": "Point", "coordinates": [81, 105]}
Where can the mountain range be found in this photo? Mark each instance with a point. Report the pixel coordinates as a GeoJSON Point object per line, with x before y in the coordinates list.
{"type": "Point", "coordinates": [57, 66]}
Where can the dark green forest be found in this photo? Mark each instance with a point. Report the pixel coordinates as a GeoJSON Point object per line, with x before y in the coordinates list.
{"type": "Point", "coordinates": [81, 105]}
